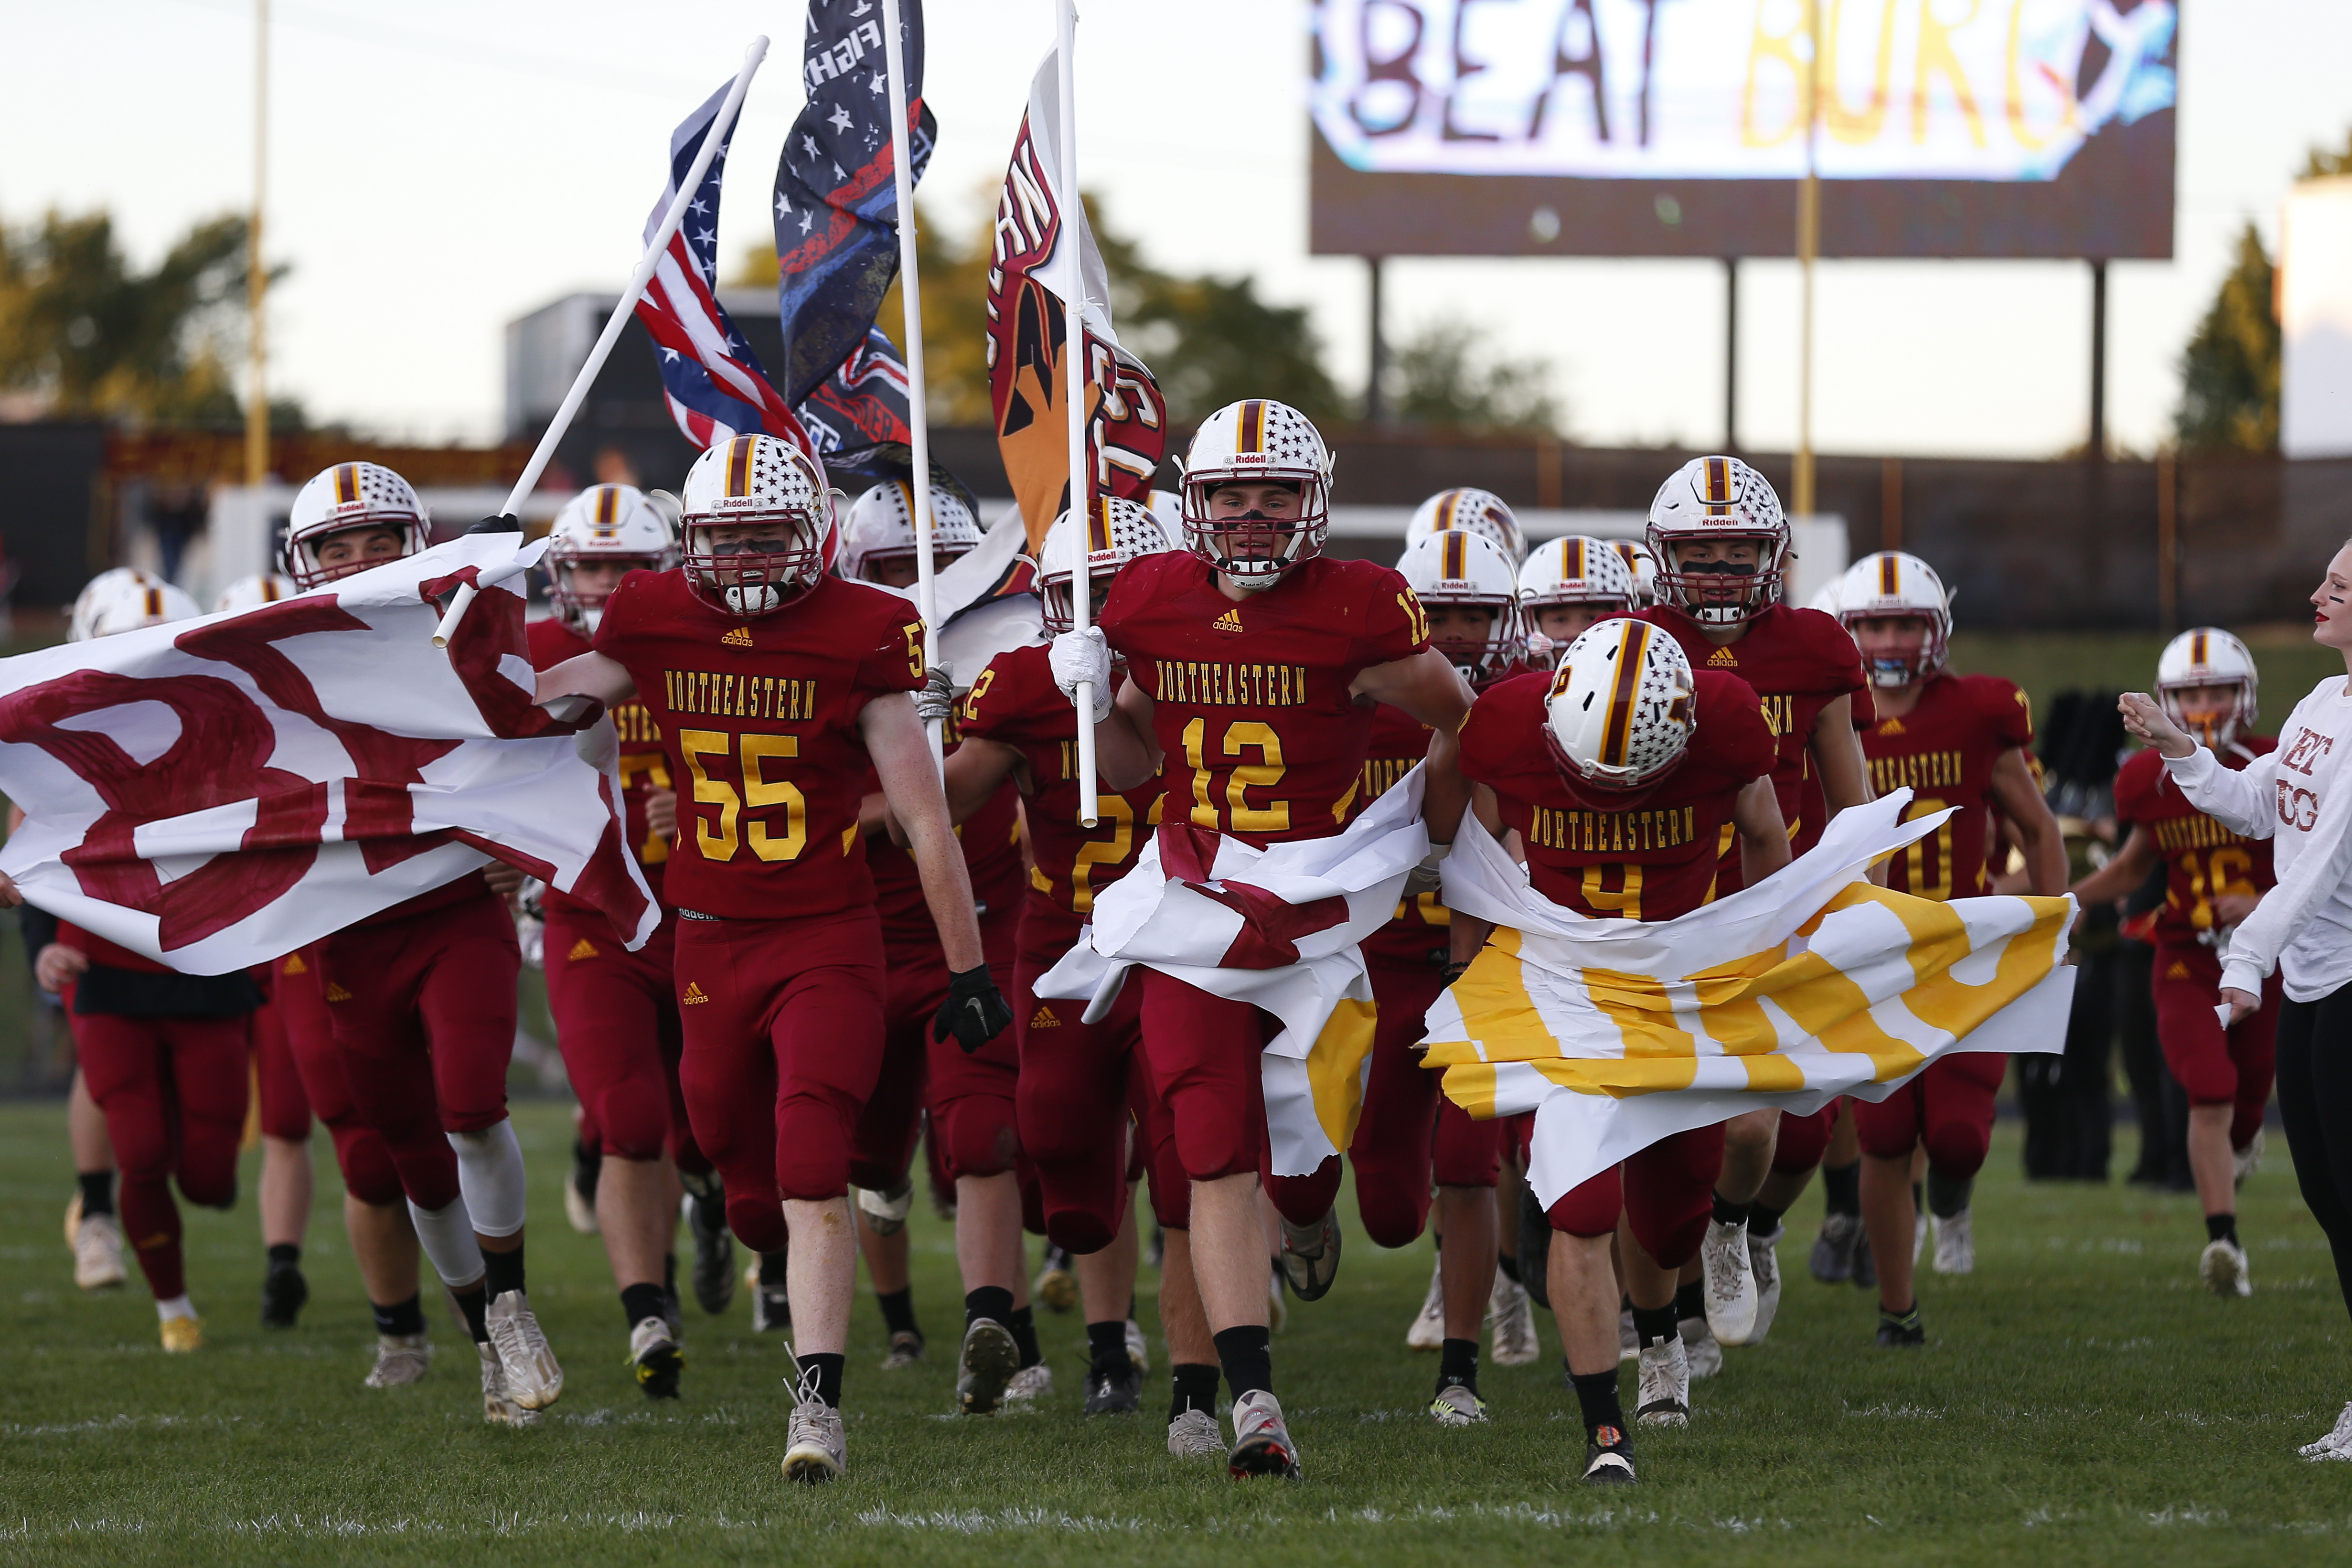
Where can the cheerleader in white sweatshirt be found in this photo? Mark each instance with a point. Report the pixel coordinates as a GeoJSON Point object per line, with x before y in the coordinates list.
{"type": "Point", "coordinates": [2300, 798]}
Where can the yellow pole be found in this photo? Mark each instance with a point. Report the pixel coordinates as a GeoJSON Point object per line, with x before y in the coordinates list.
{"type": "Point", "coordinates": [1809, 241]}
{"type": "Point", "coordinates": [257, 281]}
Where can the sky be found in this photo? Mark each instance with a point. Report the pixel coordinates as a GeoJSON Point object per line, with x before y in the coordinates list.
{"type": "Point", "coordinates": [442, 167]}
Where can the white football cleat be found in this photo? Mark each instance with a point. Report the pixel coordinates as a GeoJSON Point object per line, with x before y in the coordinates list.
{"type": "Point", "coordinates": [1764, 1264]}
{"type": "Point", "coordinates": [498, 1407]}
{"type": "Point", "coordinates": [1262, 1445]}
{"type": "Point", "coordinates": [1311, 1256]}
{"type": "Point", "coordinates": [1956, 1244]}
{"type": "Point", "coordinates": [1028, 1386]}
{"type": "Point", "coordinates": [399, 1358]}
{"type": "Point", "coordinates": [2223, 1269]}
{"type": "Point", "coordinates": [97, 1252]}
{"type": "Point", "coordinates": [578, 1211]}
{"type": "Point", "coordinates": [1664, 1387]}
{"type": "Point", "coordinates": [2245, 1162]}
{"type": "Point", "coordinates": [1629, 1343]}
{"type": "Point", "coordinates": [1138, 1349]}
{"type": "Point", "coordinates": [1731, 1283]}
{"type": "Point", "coordinates": [1194, 1435]}
{"type": "Point", "coordinates": [533, 1380]}
{"type": "Point", "coordinates": [1457, 1406]}
{"type": "Point", "coordinates": [817, 1449]}
{"type": "Point", "coordinates": [1428, 1330]}
{"type": "Point", "coordinates": [1511, 1323]}
{"type": "Point", "coordinates": [2332, 1446]}
{"type": "Point", "coordinates": [1701, 1350]}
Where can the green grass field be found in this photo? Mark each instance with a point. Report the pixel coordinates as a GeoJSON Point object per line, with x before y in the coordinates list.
{"type": "Point", "coordinates": [2079, 1401]}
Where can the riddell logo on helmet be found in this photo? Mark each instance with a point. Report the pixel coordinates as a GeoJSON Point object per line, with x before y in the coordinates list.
{"type": "Point", "coordinates": [735, 503]}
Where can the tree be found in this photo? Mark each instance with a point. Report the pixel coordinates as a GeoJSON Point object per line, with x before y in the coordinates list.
{"type": "Point", "coordinates": [2229, 372]}
{"type": "Point", "coordinates": [94, 338]}
{"type": "Point", "coordinates": [1448, 374]}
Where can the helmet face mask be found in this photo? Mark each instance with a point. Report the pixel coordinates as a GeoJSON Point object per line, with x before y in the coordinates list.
{"type": "Point", "coordinates": [1117, 532]}
{"type": "Point", "coordinates": [758, 526]}
{"type": "Point", "coordinates": [1470, 593]}
{"type": "Point", "coordinates": [1898, 603]}
{"type": "Point", "coordinates": [1570, 583]}
{"type": "Point", "coordinates": [878, 539]}
{"type": "Point", "coordinates": [1243, 459]}
{"type": "Point", "coordinates": [604, 527]}
{"type": "Point", "coordinates": [1718, 503]}
{"type": "Point", "coordinates": [2188, 671]}
{"type": "Point", "coordinates": [348, 519]}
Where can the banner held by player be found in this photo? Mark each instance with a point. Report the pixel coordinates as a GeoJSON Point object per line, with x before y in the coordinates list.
{"type": "Point", "coordinates": [1809, 985]}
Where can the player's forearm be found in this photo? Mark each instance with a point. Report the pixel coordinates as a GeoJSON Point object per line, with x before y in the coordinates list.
{"type": "Point", "coordinates": [1125, 754]}
{"type": "Point", "coordinates": [1466, 934]}
{"type": "Point", "coordinates": [947, 891]}
{"type": "Point", "coordinates": [1446, 793]}
{"type": "Point", "coordinates": [590, 676]}
{"type": "Point", "coordinates": [974, 774]}
{"type": "Point", "coordinates": [2111, 881]}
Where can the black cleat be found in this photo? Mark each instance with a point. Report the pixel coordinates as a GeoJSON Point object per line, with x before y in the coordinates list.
{"type": "Point", "coordinates": [1903, 1332]}
{"type": "Point", "coordinates": [1609, 1457]}
{"type": "Point", "coordinates": [1865, 1267]}
{"type": "Point", "coordinates": [283, 1292]}
{"type": "Point", "coordinates": [714, 1253]}
{"type": "Point", "coordinates": [1117, 1391]}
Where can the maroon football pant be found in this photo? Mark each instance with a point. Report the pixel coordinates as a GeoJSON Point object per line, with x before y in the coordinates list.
{"type": "Point", "coordinates": [2217, 1067]}
{"type": "Point", "coordinates": [1666, 1194]}
{"type": "Point", "coordinates": [1803, 1140]}
{"type": "Point", "coordinates": [172, 1090]}
{"type": "Point", "coordinates": [299, 998]}
{"type": "Point", "coordinates": [1088, 1121]}
{"type": "Point", "coordinates": [971, 1098]}
{"type": "Point", "coordinates": [1949, 1106]}
{"type": "Point", "coordinates": [277, 1082]}
{"type": "Point", "coordinates": [424, 1013]}
{"type": "Point", "coordinates": [783, 1042]}
{"type": "Point", "coordinates": [616, 1022]}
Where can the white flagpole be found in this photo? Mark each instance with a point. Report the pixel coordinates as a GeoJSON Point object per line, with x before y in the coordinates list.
{"type": "Point", "coordinates": [1074, 355]}
{"type": "Point", "coordinates": [758, 51]}
{"type": "Point", "coordinates": [927, 596]}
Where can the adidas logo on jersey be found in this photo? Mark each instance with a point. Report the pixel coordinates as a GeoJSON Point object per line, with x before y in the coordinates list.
{"type": "Point", "coordinates": [693, 994]}
{"type": "Point", "coordinates": [1231, 620]}
{"type": "Point", "coordinates": [1892, 727]}
{"type": "Point", "coordinates": [294, 965]}
{"type": "Point", "coordinates": [2179, 971]}
{"type": "Point", "coordinates": [1723, 659]}
{"type": "Point", "coordinates": [583, 949]}
{"type": "Point", "coordinates": [336, 993]}
{"type": "Point", "coordinates": [1044, 1018]}
{"type": "Point", "coordinates": [740, 637]}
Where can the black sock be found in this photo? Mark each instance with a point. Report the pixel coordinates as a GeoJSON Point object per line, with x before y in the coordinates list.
{"type": "Point", "coordinates": [1948, 1196]}
{"type": "Point", "coordinates": [639, 1303]}
{"type": "Point", "coordinates": [284, 1255]}
{"type": "Point", "coordinates": [97, 1192]}
{"type": "Point", "coordinates": [1457, 1361]}
{"type": "Point", "coordinates": [1918, 1200]}
{"type": "Point", "coordinates": [1690, 1301]}
{"type": "Point", "coordinates": [1023, 1325]}
{"type": "Point", "coordinates": [1509, 1262]}
{"type": "Point", "coordinates": [1247, 1355]}
{"type": "Point", "coordinates": [1596, 1395]}
{"type": "Point", "coordinates": [1842, 1188]}
{"type": "Point", "coordinates": [772, 1267]}
{"type": "Point", "coordinates": [669, 1275]}
{"type": "Point", "coordinates": [1763, 1219]}
{"type": "Point", "coordinates": [1729, 1213]}
{"type": "Point", "coordinates": [1195, 1387]}
{"type": "Point", "coordinates": [2222, 1228]}
{"type": "Point", "coordinates": [401, 1318]}
{"type": "Point", "coordinates": [474, 1305]}
{"type": "Point", "coordinates": [587, 1165]}
{"type": "Point", "coordinates": [1106, 1346]}
{"type": "Point", "coordinates": [1656, 1325]}
{"type": "Point", "coordinates": [899, 1310]}
{"type": "Point", "coordinates": [992, 1301]}
{"type": "Point", "coordinates": [827, 1366]}
{"type": "Point", "coordinates": [1131, 1307]}
{"type": "Point", "coordinates": [502, 1271]}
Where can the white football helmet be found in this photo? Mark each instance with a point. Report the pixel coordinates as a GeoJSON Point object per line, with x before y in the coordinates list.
{"type": "Point", "coordinates": [124, 599]}
{"type": "Point", "coordinates": [346, 497]}
{"type": "Point", "coordinates": [1622, 708]}
{"type": "Point", "coordinates": [603, 523]}
{"type": "Point", "coordinates": [1117, 531]}
{"type": "Point", "coordinates": [1891, 585]}
{"type": "Point", "coordinates": [880, 527]}
{"type": "Point", "coordinates": [1480, 511]}
{"type": "Point", "coordinates": [2207, 656]}
{"type": "Point", "coordinates": [1257, 440]}
{"type": "Point", "coordinates": [1578, 569]}
{"type": "Point", "coordinates": [1644, 568]}
{"type": "Point", "coordinates": [1459, 566]}
{"type": "Point", "coordinates": [252, 593]}
{"type": "Point", "coordinates": [749, 481]}
{"type": "Point", "coordinates": [1718, 498]}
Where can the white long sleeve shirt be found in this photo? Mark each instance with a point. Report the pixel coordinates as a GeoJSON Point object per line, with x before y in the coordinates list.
{"type": "Point", "coordinates": [2300, 798]}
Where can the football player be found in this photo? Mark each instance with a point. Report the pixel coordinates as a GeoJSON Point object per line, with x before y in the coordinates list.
{"type": "Point", "coordinates": [1959, 741]}
{"type": "Point", "coordinates": [422, 999]}
{"type": "Point", "coordinates": [1254, 663]}
{"type": "Point", "coordinates": [2205, 681]}
{"type": "Point", "coordinates": [1468, 510]}
{"type": "Point", "coordinates": [1614, 780]}
{"type": "Point", "coordinates": [1567, 585]}
{"type": "Point", "coordinates": [615, 1013]}
{"type": "Point", "coordinates": [1722, 546]}
{"type": "Point", "coordinates": [774, 686]}
{"type": "Point", "coordinates": [1408, 1133]}
{"type": "Point", "coordinates": [1085, 1097]}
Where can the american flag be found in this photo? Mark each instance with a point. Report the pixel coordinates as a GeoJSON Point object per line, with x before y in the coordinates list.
{"type": "Point", "coordinates": [714, 382]}
{"type": "Point", "coordinates": [864, 402]}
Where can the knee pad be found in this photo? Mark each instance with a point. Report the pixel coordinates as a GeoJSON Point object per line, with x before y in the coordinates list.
{"type": "Point", "coordinates": [1591, 1209]}
{"type": "Point", "coordinates": [1394, 1212]}
{"type": "Point", "coordinates": [369, 1174]}
{"type": "Point", "coordinates": [1957, 1148]}
{"type": "Point", "coordinates": [813, 1152]}
{"type": "Point", "coordinates": [757, 1222]}
{"type": "Point", "coordinates": [1803, 1140]}
{"type": "Point", "coordinates": [631, 1123]}
{"type": "Point", "coordinates": [977, 1135]}
{"type": "Point", "coordinates": [490, 1176]}
{"type": "Point", "coordinates": [446, 1234]}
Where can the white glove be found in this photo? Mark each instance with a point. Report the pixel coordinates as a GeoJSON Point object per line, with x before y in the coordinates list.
{"type": "Point", "coordinates": [1083, 658]}
{"type": "Point", "coordinates": [531, 936]}
{"type": "Point", "coordinates": [937, 699]}
{"type": "Point", "coordinates": [1425, 877]}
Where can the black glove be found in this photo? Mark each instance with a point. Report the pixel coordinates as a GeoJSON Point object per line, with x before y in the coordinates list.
{"type": "Point", "coordinates": [504, 523]}
{"type": "Point", "coordinates": [975, 1011]}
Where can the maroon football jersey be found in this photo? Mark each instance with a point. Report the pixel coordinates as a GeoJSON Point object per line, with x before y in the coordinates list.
{"type": "Point", "coordinates": [2201, 857]}
{"type": "Point", "coordinates": [1798, 662]}
{"type": "Point", "coordinates": [991, 837]}
{"type": "Point", "coordinates": [1652, 860]}
{"type": "Point", "coordinates": [1015, 701]}
{"type": "Point", "coordinates": [1943, 751]}
{"type": "Point", "coordinates": [644, 766]}
{"type": "Point", "coordinates": [1253, 715]}
{"type": "Point", "coordinates": [759, 719]}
